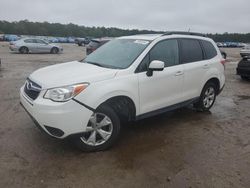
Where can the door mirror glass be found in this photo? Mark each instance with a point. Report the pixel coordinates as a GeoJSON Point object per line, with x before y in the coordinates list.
{"type": "Point", "coordinates": [155, 65]}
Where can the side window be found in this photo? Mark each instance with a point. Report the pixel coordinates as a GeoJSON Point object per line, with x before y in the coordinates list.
{"type": "Point", "coordinates": [144, 64]}
{"type": "Point", "coordinates": [40, 41]}
{"type": "Point", "coordinates": [191, 51]}
{"type": "Point", "coordinates": [28, 41]}
{"type": "Point", "coordinates": [209, 49]}
{"type": "Point", "coordinates": [166, 51]}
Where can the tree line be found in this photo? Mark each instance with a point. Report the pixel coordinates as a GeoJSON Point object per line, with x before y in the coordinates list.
{"type": "Point", "coordinates": [26, 27]}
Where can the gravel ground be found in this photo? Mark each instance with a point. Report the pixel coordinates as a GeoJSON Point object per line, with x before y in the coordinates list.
{"type": "Point", "coordinates": [178, 149]}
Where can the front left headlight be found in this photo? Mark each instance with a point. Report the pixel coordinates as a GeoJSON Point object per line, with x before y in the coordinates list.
{"type": "Point", "coordinates": [63, 94]}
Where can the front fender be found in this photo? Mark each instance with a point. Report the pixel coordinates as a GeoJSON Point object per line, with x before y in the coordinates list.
{"type": "Point", "coordinates": [99, 92]}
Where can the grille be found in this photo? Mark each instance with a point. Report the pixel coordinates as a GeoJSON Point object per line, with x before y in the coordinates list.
{"type": "Point", "coordinates": [32, 89]}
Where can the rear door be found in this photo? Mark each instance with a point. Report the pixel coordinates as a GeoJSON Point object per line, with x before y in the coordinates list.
{"type": "Point", "coordinates": [31, 44]}
{"type": "Point", "coordinates": [163, 88]}
{"type": "Point", "coordinates": [195, 65]}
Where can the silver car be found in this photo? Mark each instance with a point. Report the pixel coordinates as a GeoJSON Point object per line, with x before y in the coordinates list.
{"type": "Point", "coordinates": [33, 45]}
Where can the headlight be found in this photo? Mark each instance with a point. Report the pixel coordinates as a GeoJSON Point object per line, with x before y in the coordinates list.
{"type": "Point", "coordinates": [63, 94]}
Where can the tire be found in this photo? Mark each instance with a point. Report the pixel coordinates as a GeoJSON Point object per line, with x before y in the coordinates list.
{"type": "Point", "coordinates": [24, 50]}
{"type": "Point", "coordinates": [244, 77]}
{"type": "Point", "coordinates": [224, 55]}
{"type": "Point", "coordinates": [95, 139]}
{"type": "Point", "coordinates": [207, 97]}
{"type": "Point", "coordinates": [54, 50]}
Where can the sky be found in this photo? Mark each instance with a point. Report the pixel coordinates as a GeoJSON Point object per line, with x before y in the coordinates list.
{"type": "Point", "coordinates": [207, 16]}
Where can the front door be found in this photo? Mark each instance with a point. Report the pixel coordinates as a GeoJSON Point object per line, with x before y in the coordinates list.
{"type": "Point", "coordinates": [163, 88]}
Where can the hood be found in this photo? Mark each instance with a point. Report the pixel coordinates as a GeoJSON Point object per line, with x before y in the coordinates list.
{"type": "Point", "coordinates": [70, 73]}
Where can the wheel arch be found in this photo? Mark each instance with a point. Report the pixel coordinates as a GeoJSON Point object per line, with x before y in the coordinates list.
{"type": "Point", "coordinates": [54, 47]}
{"type": "Point", "coordinates": [216, 81]}
{"type": "Point", "coordinates": [123, 105]}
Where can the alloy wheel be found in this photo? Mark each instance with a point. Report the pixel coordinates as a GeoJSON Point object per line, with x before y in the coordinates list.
{"type": "Point", "coordinates": [209, 97]}
{"type": "Point", "coordinates": [98, 130]}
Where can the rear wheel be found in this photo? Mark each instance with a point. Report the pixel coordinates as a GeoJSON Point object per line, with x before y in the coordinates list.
{"type": "Point", "coordinates": [24, 50]}
{"type": "Point", "coordinates": [207, 97]}
{"type": "Point", "coordinates": [54, 50]}
{"type": "Point", "coordinates": [102, 131]}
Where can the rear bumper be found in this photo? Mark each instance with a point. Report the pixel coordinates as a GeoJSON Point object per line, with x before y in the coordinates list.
{"type": "Point", "coordinates": [58, 120]}
{"type": "Point", "coordinates": [13, 48]}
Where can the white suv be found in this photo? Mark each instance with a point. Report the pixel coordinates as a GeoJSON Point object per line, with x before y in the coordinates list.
{"type": "Point", "coordinates": [127, 79]}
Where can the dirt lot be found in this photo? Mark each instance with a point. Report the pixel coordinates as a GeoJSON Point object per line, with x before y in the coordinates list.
{"type": "Point", "coordinates": [179, 149]}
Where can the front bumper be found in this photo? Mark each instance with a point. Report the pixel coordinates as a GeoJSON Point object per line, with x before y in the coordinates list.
{"type": "Point", "coordinates": [56, 119]}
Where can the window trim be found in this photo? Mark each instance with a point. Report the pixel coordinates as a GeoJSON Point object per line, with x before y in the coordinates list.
{"type": "Point", "coordinates": [148, 53]}
{"type": "Point", "coordinates": [180, 49]}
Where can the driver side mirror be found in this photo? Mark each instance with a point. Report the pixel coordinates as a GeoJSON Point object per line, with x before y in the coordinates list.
{"type": "Point", "coordinates": [155, 65]}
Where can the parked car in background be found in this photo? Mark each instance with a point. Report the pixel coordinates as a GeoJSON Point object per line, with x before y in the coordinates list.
{"type": "Point", "coordinates": [96, 43]}
{"type": "Point", "coordinates": [219, 44]}
{"type": "Point", "coordinates": [243, 68]}
{"type": "Point", "coordinates": [245, 51]}
{"type": "Point", "coordinates": [11, 38]}
{"type": "Point", "coordinates": [62, 39]}
{"type": "Point", "coordinates": [127, 79]}
{"type": "Point", "coordinates": [82, 41]}
{"type": "Point", "coordinates": [1, 38]}
{"type": "Point", "coordinates": [71, 40]}
{"type": "Point", "coordinates": [33, 45]}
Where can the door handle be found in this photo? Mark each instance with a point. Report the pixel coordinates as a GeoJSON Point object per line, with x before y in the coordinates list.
{"type": "Point", "coordinates": [178, 73]}
{"type": "Point", "coordinates": [206, 66]}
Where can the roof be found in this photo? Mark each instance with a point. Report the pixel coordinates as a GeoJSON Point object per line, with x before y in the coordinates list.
{"type": "Point", "coordinates": [142, 37]}
{"type": "Point", "coordinates": [155, 36]}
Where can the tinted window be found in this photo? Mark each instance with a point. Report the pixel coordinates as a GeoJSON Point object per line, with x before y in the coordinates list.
{"type": "Point", "coordinates": [40, 41]}
{"type": "Point", "coordinates": [29, 41]}
{"type": "Point", "coordinates": [144, 64]}
{"type": "Point", "coordinates": [166, 51]}
{"type": "Point", "coordinates": [191, 51]}
{"type": "Point", "coordinates": [209, 49]}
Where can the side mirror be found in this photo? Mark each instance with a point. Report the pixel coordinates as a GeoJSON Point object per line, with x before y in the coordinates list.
{"type": "Point", "coordinates": [155, 66]}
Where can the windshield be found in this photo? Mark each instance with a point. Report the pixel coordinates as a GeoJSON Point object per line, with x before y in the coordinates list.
{"type": "Point", "coordinates": [118, 53]}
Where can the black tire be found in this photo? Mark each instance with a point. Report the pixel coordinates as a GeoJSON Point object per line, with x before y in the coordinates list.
{"type": "Point", "coordinates": [244, 77]}
{"type": "Point", "coordinates": [224, 55]}
{"type": "Point", "coordinates": [54, 50]}
{"type": "Point", "coordinates": [201, 105]}
{"type": "Point", "coordinates": [24, 50]}
{"type": "Point", "coordinates": [116, 129]}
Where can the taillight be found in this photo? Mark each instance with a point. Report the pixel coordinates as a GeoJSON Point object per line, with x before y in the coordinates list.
{"type": "Point", "coordinates": [223, 62]}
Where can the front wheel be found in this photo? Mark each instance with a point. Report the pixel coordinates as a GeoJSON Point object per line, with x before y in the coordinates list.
{"type": "Point", "coordinates": [207, 97]}
{"type": "Point", "coordinates": [54, 50]}
{"type": "Point", "coordinates": [102, 131]}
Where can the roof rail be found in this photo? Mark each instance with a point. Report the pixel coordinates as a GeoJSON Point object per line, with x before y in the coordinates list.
{"type": "Point", "coordinates": [184, 33]}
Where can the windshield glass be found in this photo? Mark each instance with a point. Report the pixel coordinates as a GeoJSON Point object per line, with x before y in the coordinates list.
{"type": "Point", "coordinates": [118, 53]}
